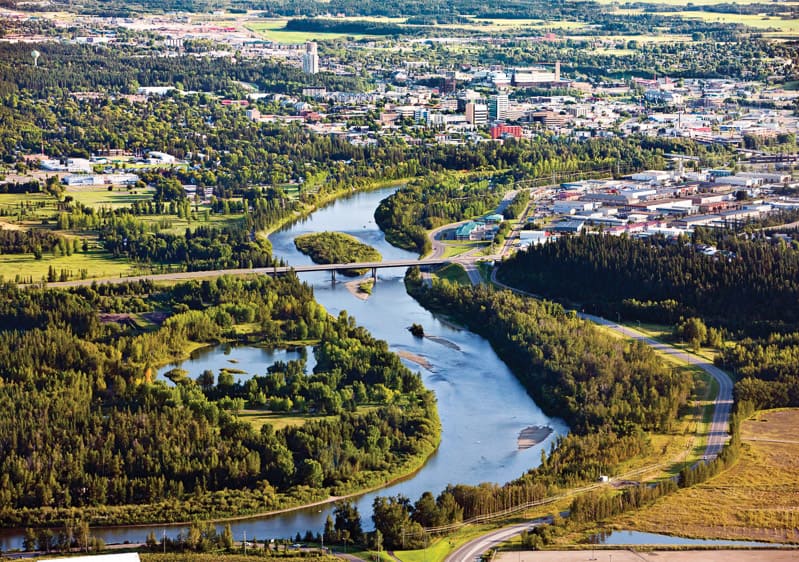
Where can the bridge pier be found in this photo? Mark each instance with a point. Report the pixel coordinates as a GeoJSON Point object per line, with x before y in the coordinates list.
{"type": "Point", "coordinates": [333, 276]}
{"type": "Point", "coordinates": [374, 274]}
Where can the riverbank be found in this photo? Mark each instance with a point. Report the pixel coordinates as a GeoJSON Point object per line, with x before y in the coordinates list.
{"type": "Point", "coordinates": [166, 513]}
{"type": "Point", "coordinates": [326, 200]}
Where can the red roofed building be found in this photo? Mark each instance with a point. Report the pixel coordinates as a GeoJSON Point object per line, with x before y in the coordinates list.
{"type": "Point", "coordinates": [498, 131]}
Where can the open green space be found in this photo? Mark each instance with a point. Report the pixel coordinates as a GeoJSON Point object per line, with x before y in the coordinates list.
{"type": "Point", "coordinates": [178, 225]}
{"type": "Point", "coordinates": [756, 21]}
{"type": "Point", "coordinates": [755, 499]}
{"type": "Point", "coordinates": [454, 273]}
{"type": "Point", "coordinates": [100, 196]}
{"type": "Point", "coordinates": [275, 30]}
{"type": "Point", "coordinates": [279, 420]}
{"type": "Point", "coordinates": [97, 263]}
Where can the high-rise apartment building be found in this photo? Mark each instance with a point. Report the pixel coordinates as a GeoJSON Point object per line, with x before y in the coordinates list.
{"type": "Point", "coordinates": [498, 107]}
{"type": "Point", "coordinates": [310, 59]}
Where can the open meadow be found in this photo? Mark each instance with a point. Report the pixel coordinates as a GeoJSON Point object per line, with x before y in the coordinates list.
{"type": "Point", "coordinates": [275, 30]}
{"type": "Point", "coordinates": [756, 499]}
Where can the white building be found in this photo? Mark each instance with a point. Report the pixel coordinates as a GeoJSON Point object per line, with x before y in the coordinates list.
{"type": "Point", "coordinates": [74, 165]}
{"type": "Point", "coordinates": [476, 114]}
{"type": "Point", "coordinates": [156, 157]}
{"type": "Point", "coordinates": [310, 59]}
{"type": "Point", "coordinates": [498, 107]}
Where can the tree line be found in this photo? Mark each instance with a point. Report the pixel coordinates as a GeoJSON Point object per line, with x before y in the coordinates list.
{"type": "Point", "coordinates": [751, 286]}
{"type": "Point", "coordinates": [95, 431]}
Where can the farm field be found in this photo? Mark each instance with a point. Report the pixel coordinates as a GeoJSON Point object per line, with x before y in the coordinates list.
{"type": "Point", "coordinates": [753, 500]}
{"type": "Point", "coordinates": [783, 26]}
{"type": "Point", "coordinates": [274, 30]}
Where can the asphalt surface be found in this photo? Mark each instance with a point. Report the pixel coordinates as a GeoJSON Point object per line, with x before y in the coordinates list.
{"type": "Point", "coordinates": [474, 549]}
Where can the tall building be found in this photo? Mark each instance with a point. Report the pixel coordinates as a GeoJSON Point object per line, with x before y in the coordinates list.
{"type": "Point", "coordinates": [498, 107]}
{"type": "Point", "coordinates": [476, 114]}
{"type": "Point", "coordinates": [310, 59]}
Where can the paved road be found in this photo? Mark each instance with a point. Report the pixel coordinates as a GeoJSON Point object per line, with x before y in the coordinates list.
{"type": "Point", "coordinates": [473, 549]}
{"type": "Point", "coordinates": [183, 275]}
{"type": "Point", "coordinates": [719, 426]}
{"type": "Point", "coordinates": [718, 436]}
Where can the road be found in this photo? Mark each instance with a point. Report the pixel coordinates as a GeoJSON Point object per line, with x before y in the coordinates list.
{"type": "Point", "coordinates": [475, 548]}
{"type": "Point", "coordinates": [722, 406]}
{"type": "Point", "coordinates": [717, 437]}
{"type": "Point", "coordinates": [185, 275]}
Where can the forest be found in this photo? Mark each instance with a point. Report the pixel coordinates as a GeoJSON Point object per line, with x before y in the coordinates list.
{"type": "Point", "coordinates": [751, 286]}
{"type": "Point", "coordinates": [336, 247]}
{"type": "Point", "coordinates": [610, 391]}
{"type": "Point", "coordinates": [97, 435]}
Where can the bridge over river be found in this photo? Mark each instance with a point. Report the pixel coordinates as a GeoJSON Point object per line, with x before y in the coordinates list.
{"type": "Point", "coordinates": [275, 270]}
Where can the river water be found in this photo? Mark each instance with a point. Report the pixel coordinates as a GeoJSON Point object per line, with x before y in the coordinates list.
{"type": "Point", "coordinates": [481, 405]}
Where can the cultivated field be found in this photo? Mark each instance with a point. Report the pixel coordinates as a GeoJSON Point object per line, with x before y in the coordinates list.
{"type": "Point", "coordinates": [757, 499]}
{"type": "Point", "coordinates": [274, 30]}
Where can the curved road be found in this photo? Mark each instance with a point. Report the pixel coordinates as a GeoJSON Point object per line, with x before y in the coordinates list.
{"type": "Point", "coordinates": [719, 427]}
{"type": "Point", "coordinates": [717, 437]}
{"type": "Point", "coordinates": [475, 548]}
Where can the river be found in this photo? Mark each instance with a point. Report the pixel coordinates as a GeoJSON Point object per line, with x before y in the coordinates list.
{"type": "Point", "coordinates": [481, 404]}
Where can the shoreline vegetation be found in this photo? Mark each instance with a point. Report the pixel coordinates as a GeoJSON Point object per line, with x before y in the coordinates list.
{"type": "Point", "coordinates": [336, 247]}
{"type": "Point", "coordinates": [270, 486]}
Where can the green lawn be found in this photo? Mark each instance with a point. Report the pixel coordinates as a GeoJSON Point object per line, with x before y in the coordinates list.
{"type": "Point", "coordinates": [97, 263]}
{"type": "Point", "coordinates": [99, 196]}
{"type": "Point", "coordinates": [453, 248]}
{"type": "Point", "coordinates": [454, 273]}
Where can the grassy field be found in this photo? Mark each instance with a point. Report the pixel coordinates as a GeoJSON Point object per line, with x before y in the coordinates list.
{"type": "Point", "coordinates": [454, 273]}
{"type": "Point", "coordinates": [279, 420]}
{"type": "Point", "coordinates": [663, 333]}
{"type": "Point", "coordinates": [756, 499]}
{"type": "Point", "coordinates": [97, 263]}
{"type": "Point", "coordinates": [440, 547]}
{"type": "Point", "coordinates": [99, 196]}
{"type": "Point", "coordinates": [274, 30]}
{"type": "Point", "coordinates": [783, 26]}
{"type": "Point", "coordinates": [456, 248]}
{"type": "Point", "coordinates": [176, 225]}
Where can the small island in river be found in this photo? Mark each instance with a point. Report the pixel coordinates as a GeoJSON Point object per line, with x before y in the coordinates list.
{"type": "Point", "coordinates": [336, 247]}
{"type": "Point", "coordinates": [533, 435]}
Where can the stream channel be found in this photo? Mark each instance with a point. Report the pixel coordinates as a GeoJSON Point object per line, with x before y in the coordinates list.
{"type": "Point", "coordinates": [481, 404]}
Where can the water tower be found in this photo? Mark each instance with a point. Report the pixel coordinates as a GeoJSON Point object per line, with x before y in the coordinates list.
{"type": "Point", "coordinates": [35, 55]}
